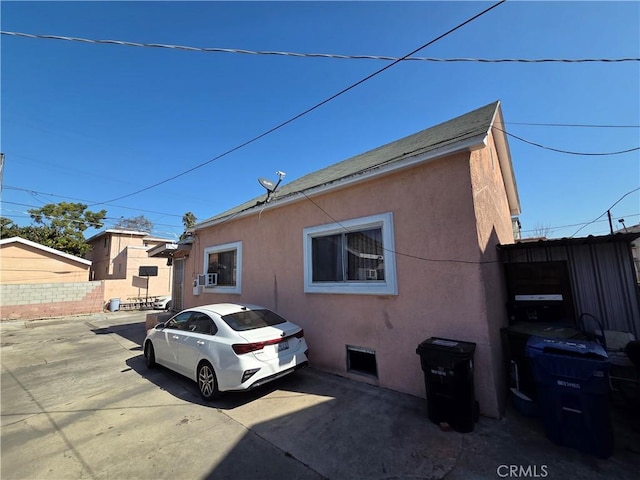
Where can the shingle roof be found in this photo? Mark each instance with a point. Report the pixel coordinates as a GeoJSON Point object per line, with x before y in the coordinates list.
{"type": "Point", "coordinates": [444, 136]}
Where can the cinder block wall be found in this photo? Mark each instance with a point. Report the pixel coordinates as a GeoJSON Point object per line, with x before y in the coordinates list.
{"type": "Point", "coordinates": [47, 300]}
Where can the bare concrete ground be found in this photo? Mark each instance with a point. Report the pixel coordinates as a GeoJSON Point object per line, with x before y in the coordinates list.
{"type": "Point", "coordinates": [78, 402]}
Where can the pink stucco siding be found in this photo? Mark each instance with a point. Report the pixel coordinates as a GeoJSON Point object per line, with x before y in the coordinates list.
{"type": "Point", "coordinates": [448, 215]}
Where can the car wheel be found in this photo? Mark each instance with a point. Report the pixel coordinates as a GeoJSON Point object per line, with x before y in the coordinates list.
{"type": "Point", "coordinates": [207, 381]}
{"type": "Point", "coordinates": [150, 355]}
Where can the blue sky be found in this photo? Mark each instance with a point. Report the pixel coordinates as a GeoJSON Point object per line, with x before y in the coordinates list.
{"type": "Point", "coordinates": [91, 122]}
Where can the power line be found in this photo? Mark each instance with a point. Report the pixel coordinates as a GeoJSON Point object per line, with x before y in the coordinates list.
{"type": "Point", "coordinates": [607, 210]}
{"type": "Point", "coordinates": [568, 152]}
{"type": "Point", "coordinates": [9, 187]}
{"type": "Point", "coordinates": [309, 110]}
{"type": "Point", "coordinates": [105, 220]}
{"type": "Point", "coordinates": [560, 227]}
{"type": "Point", "coordinates": [319, 55]}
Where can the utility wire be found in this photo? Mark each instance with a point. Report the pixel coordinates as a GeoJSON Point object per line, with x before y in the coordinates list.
{"type": "Point", "coordinates": [321, 55]}
{"type": "Point", "coordinates": [32, 192]}
{"type": "Point", "coordinates": [112, 220]}
{"type": "Point", "coordinates": [560, 227]}
{"type": "Point", "coordinates": [309, 110]}
{"type": "Point", "coordinates": [568, 152]}
{"type": "Point", "coordinates": [607, 210]}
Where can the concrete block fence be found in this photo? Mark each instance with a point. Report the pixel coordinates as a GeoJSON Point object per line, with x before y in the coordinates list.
{"type": "Point", "coordinates": [47, 300]}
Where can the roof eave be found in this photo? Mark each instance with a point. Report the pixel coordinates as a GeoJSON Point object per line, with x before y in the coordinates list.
{"type": "Point", "coordinates": [168, 250]}
{"type": "Point", "coordinates": [44, 248]}
{"type": "Point", "coordinates": [504, 158]}
{"type": "Point", "coordinates": [474, 143]}
{"type": "Point", "coordinates": [623, 237]}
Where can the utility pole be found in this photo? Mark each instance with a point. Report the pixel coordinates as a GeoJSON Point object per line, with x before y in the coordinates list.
{"type": "Point", "coordinates": [1, 169]}
{"type": "Point", "coordinates": [610, 224]}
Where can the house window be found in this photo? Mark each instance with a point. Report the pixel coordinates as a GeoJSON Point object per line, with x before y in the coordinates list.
{"type": "Point", "coordinates": [226, 261]}
{"type": "Point", "coordinates": [354, 256]}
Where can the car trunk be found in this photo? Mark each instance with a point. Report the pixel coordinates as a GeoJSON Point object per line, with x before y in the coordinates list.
{"type": "Point", "coordinates": [280, 339]}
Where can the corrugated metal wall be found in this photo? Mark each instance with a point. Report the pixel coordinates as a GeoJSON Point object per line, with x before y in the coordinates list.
{"type": "Point", "coordinates": [603, 280]}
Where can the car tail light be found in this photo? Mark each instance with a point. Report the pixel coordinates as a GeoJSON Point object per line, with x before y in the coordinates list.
{"type": "Point", "coordinates": [242, 348]}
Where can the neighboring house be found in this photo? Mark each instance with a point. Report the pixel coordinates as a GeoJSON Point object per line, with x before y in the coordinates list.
{"type": "Point", "coordinates": [117, 256]}
{"type": "Point", "coordinates": [39, 282]}
{"type": "Point", "coordinates": [377, 253]}
{"type": "Point", "coordinates": [24, 262]}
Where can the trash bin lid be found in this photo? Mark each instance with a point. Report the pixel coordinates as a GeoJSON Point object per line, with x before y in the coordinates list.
{"type": "Point", "coordinates": [446, 345]}
{"type": "Point", "coordinates": [574, 348]}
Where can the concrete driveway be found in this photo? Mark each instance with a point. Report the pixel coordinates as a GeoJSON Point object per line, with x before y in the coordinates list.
{"type": "Point", "coordinates": [78, 402]}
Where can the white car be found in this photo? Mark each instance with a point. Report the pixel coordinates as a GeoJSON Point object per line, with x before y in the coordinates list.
{"type": "Point", "coordinates": [227, 347]}
{"type": "Point", "coordinates": [162, 303]}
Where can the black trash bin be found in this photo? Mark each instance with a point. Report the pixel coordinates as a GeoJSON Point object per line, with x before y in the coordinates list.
{"type": "Point", "coordinates": [448, 378]}
{"type": "Point", "coordinates": [572, 381]}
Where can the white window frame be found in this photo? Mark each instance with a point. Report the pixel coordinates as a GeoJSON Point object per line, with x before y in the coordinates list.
{"type": "Point", "coordinates": [237, 288]}
{"type": "Point", "coordinates": [387, 287]}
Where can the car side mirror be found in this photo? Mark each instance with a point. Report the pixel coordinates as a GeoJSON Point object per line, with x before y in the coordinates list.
{"type": "Point", "coordinates": [160, 326]}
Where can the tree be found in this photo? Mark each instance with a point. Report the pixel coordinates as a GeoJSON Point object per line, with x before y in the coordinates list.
{"type": "Point", "coordinates": [7, 228]}
{"type": "Point", "coordinates": [188, 220]}
{"type": "Point", "coordinates": [139, 224]}
{"type": "Point", "coordinates": [60, 226]}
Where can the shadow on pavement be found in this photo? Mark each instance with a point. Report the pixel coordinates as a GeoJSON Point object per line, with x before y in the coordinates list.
{"type": "Point", "coordinates": [181, 387]}
{"type": "Point", "coordinates": [317, 425]}
{"type": "Point", "coordinates": [133, 332]}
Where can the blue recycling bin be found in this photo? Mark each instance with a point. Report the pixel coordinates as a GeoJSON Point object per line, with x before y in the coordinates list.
{"type": "Point", "coordinates": [572, 382]}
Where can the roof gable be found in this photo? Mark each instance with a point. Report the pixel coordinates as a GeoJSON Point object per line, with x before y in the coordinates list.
{"type": "Point", "coordinates": [464, 133]}
{"type": "Point", "coordinates": [29, 243]}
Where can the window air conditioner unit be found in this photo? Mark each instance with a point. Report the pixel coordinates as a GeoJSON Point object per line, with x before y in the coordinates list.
{"type": "Point", "coordinates": [211, 279]}
{"type": "Point", "coordinates": [372, 274]}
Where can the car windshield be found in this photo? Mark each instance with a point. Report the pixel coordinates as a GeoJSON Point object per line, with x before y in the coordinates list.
{"type": "Point", "coordinates": [250, 319]}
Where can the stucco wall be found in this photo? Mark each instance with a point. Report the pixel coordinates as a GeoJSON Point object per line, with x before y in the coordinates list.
{"type": "Point", "coordinates": [493, 227]}
{"type": "Point", "coordinates": [118, 263]}
{"type": "Point", "coordinates": [440, 279]}
{"type": "Point", "coordinates": [21, 264]}
{"type": "Point", "coordinates": [133, 286]}
{"type": "Point", "coordinates": [46, 300]}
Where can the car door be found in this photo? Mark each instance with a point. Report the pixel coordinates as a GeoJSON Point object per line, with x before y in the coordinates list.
{"type": "Point", "coordinates": [167, 349]}
{"type": "Point", "coordinates": [197, 341]}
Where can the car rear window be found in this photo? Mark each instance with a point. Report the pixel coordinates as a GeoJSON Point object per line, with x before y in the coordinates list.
{"type": "Point", "coordinates": [251, 319]}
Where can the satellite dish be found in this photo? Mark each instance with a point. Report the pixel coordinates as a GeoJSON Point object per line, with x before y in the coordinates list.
{"type": "Point", "coordinates": [268, 184]}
